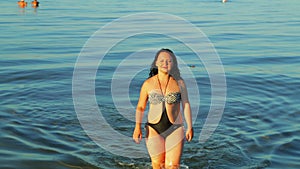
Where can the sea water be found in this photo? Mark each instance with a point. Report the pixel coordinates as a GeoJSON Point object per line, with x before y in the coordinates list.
{"type": "Point", "coordinates": [258, 45]}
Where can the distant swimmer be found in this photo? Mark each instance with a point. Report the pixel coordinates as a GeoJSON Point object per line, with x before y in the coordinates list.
{"type": "Point", "coordinates": [224, 1]}
{"type": "Point", "coordinates": [35, 4]}
{"type": "Point", "coordinates": [22, 4]}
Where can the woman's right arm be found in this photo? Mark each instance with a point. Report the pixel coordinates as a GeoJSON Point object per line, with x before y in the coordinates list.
{"type": "Point", "coordinates": [139, 113]}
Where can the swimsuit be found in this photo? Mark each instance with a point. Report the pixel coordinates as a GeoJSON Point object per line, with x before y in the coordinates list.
{"type": "Point", "coordinates": [170, 98]}
{"type": "Point", "coordinates": [164, 127]}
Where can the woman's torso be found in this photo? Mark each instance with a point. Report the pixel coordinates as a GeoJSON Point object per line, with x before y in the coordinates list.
{"type": "Point", "coordinates": [158, 101]}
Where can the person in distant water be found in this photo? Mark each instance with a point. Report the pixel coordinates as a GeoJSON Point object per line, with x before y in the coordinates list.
{"type": "Point", "coordinates": [166, 92]}
{"type": "Point", "coordinates": [35, 4]}
{"type": "Point", "coordinates": [22, 4]}
{"type": "Point", "coordinates": [224, 1]}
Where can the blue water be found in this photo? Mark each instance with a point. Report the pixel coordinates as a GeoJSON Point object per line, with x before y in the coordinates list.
{"type": "Point", "coordinates": [257, 42]}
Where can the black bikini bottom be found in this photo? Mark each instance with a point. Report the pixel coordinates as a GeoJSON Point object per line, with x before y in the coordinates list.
{"type": "Point", "coordinates": [164, 127]}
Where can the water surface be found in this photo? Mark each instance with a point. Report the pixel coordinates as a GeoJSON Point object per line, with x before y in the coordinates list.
{"type": "Point", "coordinates": [257, 41]}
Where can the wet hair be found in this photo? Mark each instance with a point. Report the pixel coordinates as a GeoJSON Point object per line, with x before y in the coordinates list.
{"type": "Point", "coordinates": [175, 73]}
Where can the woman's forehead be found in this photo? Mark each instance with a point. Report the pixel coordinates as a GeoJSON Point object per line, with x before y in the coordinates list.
{"type": "Point", "coordinates": [164, 55]}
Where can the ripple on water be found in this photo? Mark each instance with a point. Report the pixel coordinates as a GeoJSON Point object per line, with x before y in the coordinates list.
{"type": "Point", "coordinates": [286, 155]}
{"type": "Point", "coordinates": [258, 120]}
{"type": "Point", "coordinates": [35, 143]}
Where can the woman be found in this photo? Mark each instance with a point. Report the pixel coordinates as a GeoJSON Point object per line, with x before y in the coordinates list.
{"type": "Point", "coordinates": [22, 4]}
{"type": "Point", "coordinates": [165, 90]}
{"type": "Point", "coordinates": [35, 4]}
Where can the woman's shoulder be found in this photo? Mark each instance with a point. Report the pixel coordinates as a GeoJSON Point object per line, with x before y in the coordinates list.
{"type": "Point", "coordinates": [181, 82]}
{"type": "Point", "coordinates": [148, 84]}
{"type": "Point", "coordinates": [149, 81]}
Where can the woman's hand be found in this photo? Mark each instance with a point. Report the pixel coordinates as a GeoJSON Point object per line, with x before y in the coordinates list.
{"type": "Point", "coordinates": [189, 134]}
{"type": "Point", "coordinates": [137, 135]}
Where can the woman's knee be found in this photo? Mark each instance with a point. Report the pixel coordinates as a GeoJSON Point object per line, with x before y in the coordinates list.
{"type": "Point", "coordinates": [172, 166]}
{"type": "Point", "coordinates": [158, 161]}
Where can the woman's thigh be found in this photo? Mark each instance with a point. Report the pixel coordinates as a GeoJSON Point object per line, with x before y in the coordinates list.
{"type": "Point", "coordinates": [174, 146]}
{"type": "Point", "coordinates": [155, 144]}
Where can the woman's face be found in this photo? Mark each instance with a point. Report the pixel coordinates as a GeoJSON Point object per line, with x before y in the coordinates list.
{"type": "Point", "coordinates": [164, 62]}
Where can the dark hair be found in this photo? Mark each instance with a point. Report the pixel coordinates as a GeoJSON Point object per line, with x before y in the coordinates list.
{"type": "Point", "coordinates": [175, 73]}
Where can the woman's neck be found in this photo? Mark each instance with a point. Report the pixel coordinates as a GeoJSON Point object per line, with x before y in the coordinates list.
{"type": "Point", "coordinates": [163, 77]}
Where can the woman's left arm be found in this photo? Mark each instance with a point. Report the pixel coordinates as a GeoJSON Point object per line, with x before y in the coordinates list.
{"type": "Point", "coordinates": [186, 110]}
